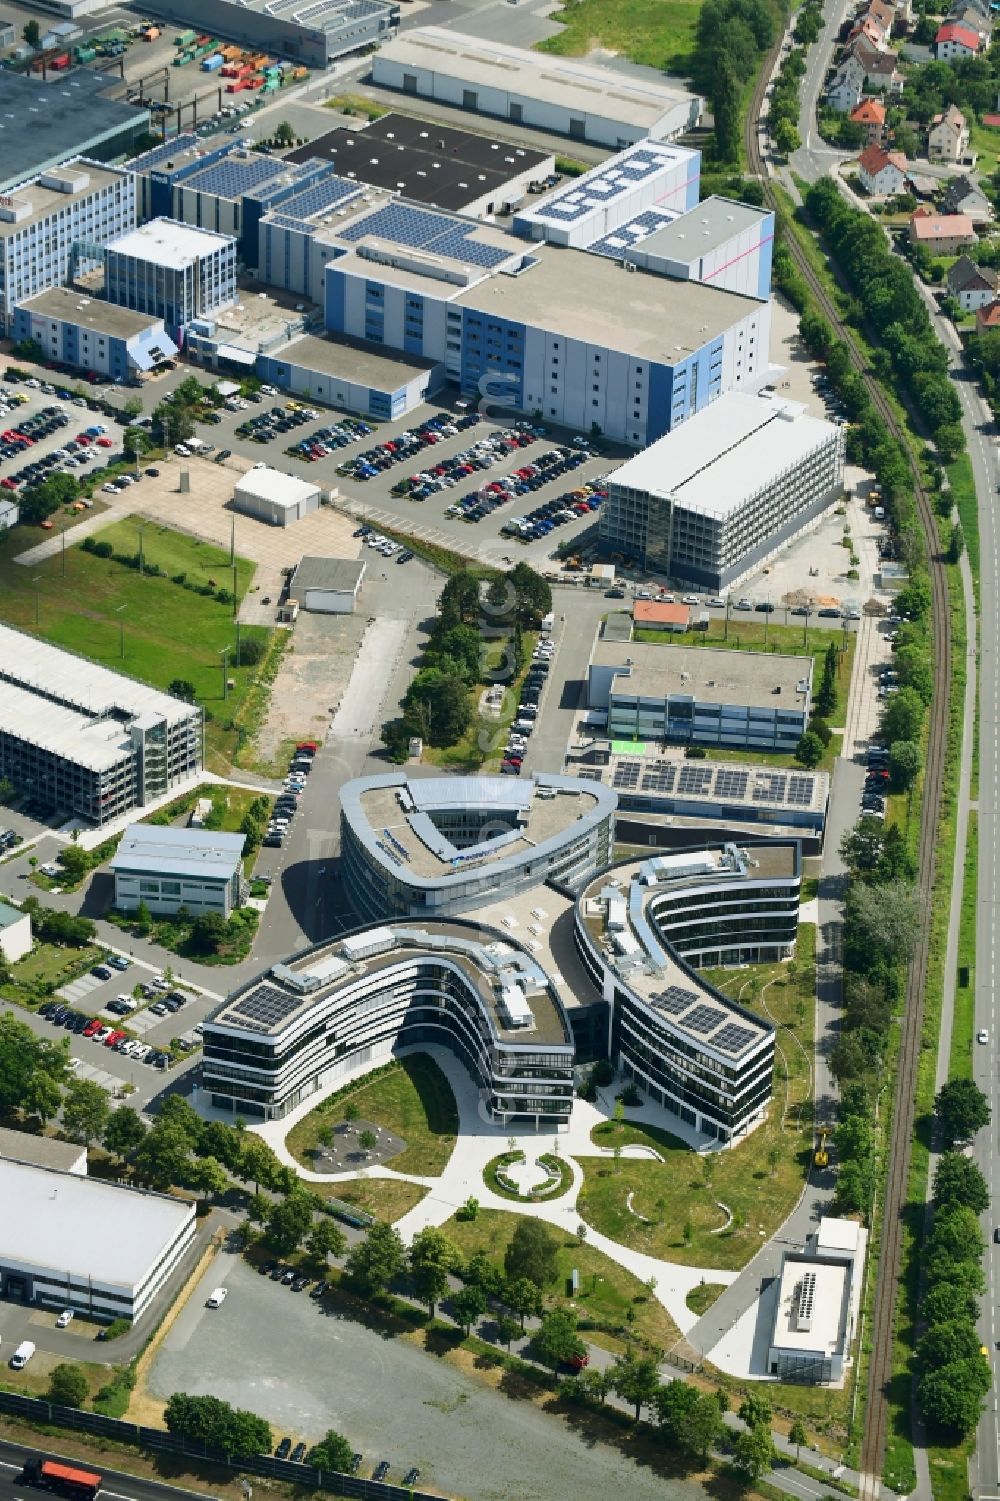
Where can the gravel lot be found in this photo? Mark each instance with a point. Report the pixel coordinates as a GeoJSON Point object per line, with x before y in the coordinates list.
{"type": "Point", "coordinates": [271, 1350]}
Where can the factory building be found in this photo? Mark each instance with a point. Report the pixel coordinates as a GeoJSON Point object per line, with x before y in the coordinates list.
{"type": "Point", "coordinates": [171, 271]}
{"type": "Point", "coordinates": [45, 222]}
{"type": "Point", "coordinates": [87, 742]}
{"type": "Point", "coordinates": [561, 95]}
{"type": "Point", "coordinates": [313, 32]}
{"type": "Point", "coordinates": [700, 695]}
{"type": "Point", "coordinates": [89, 334]}
{"type": "Point", "coordinates": [328, 586]}
{"type": "Point", "coordinates": [68, 116]}
{"type": "Point", "coordinates": [720, 242]}
{"type": "Point", "coordinates": [724, 490]}
{"type": "Point", "coordinates": [352, 376]}
{"type": "Point", "coordinates": [817, 1303]}
{"type": "Point", "coordinates": [633, 192]}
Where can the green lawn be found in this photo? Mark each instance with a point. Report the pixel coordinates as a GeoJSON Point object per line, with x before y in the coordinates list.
{"type": "Point", "coordinates": [411, 1097]}
{"type": "Point", "coordinates": [658, 33]}
{"type": "Point", "coordinates": [485, 738]}
{"type": "Point", "coordinates": [386, 1198]}
{"type": "Point", "coordinates": [701, 1298]}
{"type": "Point", "coordinates": [679, 1197]}
{"type": "Point", "coordinates": [34, 977]}
{"type": "Point", "coordinates": [606, 1292]}
{"type": "Point", "coordinates": [169, 631]}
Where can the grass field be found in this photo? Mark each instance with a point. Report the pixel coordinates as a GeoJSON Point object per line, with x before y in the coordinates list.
{"type": "Point", "coordinates": [607, 1291]}
{"type": "Point", "coordinates": [169, 631]}
{"type": "Point", "coordinates": [411, 1098]}
{"type": "Point", "coordinates": [757, 1181]}
{"type": "Point", "coordinates": [46, 966]}
{"type": "Point", "coordinates": [658, 33]}
{"type": "Point", "coordinates": [386, 1198]}
{"type": "Point", "coordinates": [485, 738]}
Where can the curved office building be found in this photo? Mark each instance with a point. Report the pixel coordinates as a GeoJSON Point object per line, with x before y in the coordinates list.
{"type": "Point", "coordinates": [303, 1025]}
{"type": "Point", "coordinates": [430, 847]}
{"type": "Point", "coordinates": [642, 928]}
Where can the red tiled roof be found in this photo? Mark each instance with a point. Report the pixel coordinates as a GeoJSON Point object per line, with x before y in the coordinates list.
{"type": "Point", "coordinates": [989, 317]}
{"type": "Point", "coordinates": [954, 31]}
{"type": "Point", "coordinates": [869, 112]}
{"type": "Point", "coordinates": [941, 226]}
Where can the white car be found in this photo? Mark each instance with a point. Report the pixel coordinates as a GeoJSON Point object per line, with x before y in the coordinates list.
{"type": "Point", "coordinates": [217, 1298]}
{"type": "Point", "coordinates": [128, 1002]}
{"type": "Point", "coordinates": [982, 1035]}
{"type": "Point", "coordinates": [185, 453]}
{"type": "Point", "coordinates": [691, 599]}
{"type": "Point", "coordinates": [66, 1317]}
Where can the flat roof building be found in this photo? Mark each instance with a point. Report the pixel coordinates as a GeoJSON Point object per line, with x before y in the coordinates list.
{"type": "Point", "coordinates": [816, 1306]}
{"type": "Point", "coordinates": [68, 1241]}
{"type": "Point", "coordinates": [15, 932]}
{"type": "Point", "coordinates": [328, 586]}
{"type": "Point", "coordinates": [274, 497]}
{"type": "Point", "coordinates": [700, 695]}
{"type": "Point", "coordinates": [430, 162]}
{"type": "Point", "coordinates": [168, 868]}
{"type": "Point", "coordinates": [90, 334]}
{"type": "Point", "coordinates": [437, 846]}
{"type": "Point", "coordinates": [352, 376]}
{"type": "Point", "coordinates": [720, 241]}
{"type": "Point", "coordinates": [46, 223]}
{"type": "Point", "coordinates": [70, 115]}
{"type": "Point", "coordinates": [43, 1151]}
{"type": "Point", "coordinates": [719, 493]}
{"type": "Point", "coordinates": [563, 95]}
{"type": "Point", "coordinates": [314, 32]}
{"type": "Point", "coordinates": [173, 271]}
{"type": "Point", "coordinates": [83, 740]}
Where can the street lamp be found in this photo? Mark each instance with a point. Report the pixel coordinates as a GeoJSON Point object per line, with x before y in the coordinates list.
{"type": "Point", "coordinates": [225, 677]}
{"type": "Point", "coordinates": [36, 581]}
{"type": "Point", "coordinates": [142, 527]}
{"type": "Point", "coordinates": [121, 629]}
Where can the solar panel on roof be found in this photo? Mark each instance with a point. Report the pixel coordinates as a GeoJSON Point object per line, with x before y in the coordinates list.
{"type": "Point", "coordinates": [731, 782]}
{"type": "Point", "coordinates": [733, 1039]}
{"type": "Point", "coordinates": [674, 999]}
{"type": "Point", "coordinates": [703, 1018]}
{"type": "Point", "coordinates": [234, 175]}
{"type": "Point", "coordinates": [694, 779]}
{"type": "Point", "coordinates": [770, 786]}
{"type": "Point", "coordinates": [631, 232]}
{"type": "Point", "coordinates": [265, 1005]}
{"type": "Point", "coordinates": [801, 791]}
{"type": "Point", "coordinates": [603, 186]}
{"type": "Point", "coordinates": [322, 195]}
{"type": "Point", "coordinates": [162, 153]}
{"type": "Point", "coordinates": [626, 776]}
{"type": "Point", "coordinates": [658, 779]}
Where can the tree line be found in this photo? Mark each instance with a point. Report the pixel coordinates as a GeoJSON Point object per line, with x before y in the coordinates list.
{"type": "Point", "coordinates": [731, 38]}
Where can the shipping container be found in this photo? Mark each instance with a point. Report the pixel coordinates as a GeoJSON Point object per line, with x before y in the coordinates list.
{"type": "Point", "coordinates": [237, 87]}
{"type": "Point", "coordinates": [60, 62]}
{"type": "Point", "coordinates": [151, 34]}
{"type": "Point", "coordinates": [85, 54]}
{"type": "Point", "coordinates": [181, 59]}
{"type": "Point", "coordinates": [184, 39]}
{"type": "Point", "coordinates": [212, 64]}
{"type": "Point", "coordinates": [299, 73]}
{"type": "Point", "coordinates": [231, 54]}
{"type": "Point", "coordinates": [204, 38]}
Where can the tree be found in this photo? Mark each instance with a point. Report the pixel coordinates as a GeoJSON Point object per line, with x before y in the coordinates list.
{"type": "Point", "coordinates": [636, 1379]}
{"type": "Point", "coordinates": [884, 919]}
{"type": "Point", "coordinates": [945, 1344]}
{"type": "Point", "coordinates": [437, 705]}
{"type": "Point", "coordinates": [726, 91]}
{"type": "Point", "coordinates": [258, 1163]}
{"type": "Point", "coordinates": [945, 1301]}
{"type": "Point", "coordinates": [755, 1411]}
{"type": "Point", "coordinates": [377, 1260]}
{"type": "Point", "coordinates": [284, 135]}
{"type": "Point", "coordinates": [164, 1157]}
{"type": "Point", "coordinates": [124, 1132]}
{"type": "Point", "coordinates": [508, 1329]}
{"type": "Point", "coordinates": [557, 1341]}
{"type": "Point", "coordinates": [467, 1306]}
{"type": "Point", "coordinates": [786, 137]}
{"type": "Point", "coordinates": [753, 1452]}
{"type": "Point", "coordinates": [595, 1383]}
{"type": "Point", "coordinates": [351, 1111]}
{"type": "Point", "coordinates": [904, 764]}
{"type": "Point", "coordinates": [226, 1430]}
{"type": "Point", "coordinates": [207, 932]}
{"type": "Point", "coordinates": [534, 594]}
{"type": "Point", "coordinates": [288, 1223]}
{"type": "Point", "coordinates": [32, 33]}
{"type": "Point", "coordinates": [809, 751]}
{"type": "Point", "coordinates": [523, 1296]}
{"type": "Point", "coordinates": [861, 847]}
{"type": "Point", "coordinates": [955, 1237]}
{"type": "Point", "coordinates": [959, 1183]}
{"type": "Point", "coordinates": [85, 1110]}
{"type": "Point", "coordinates": [531, 1253]}
{"type": "Point", "coordinates": [68, 1385]}
{"type": "Point", "coordinates": [962, 1109]}
{"type": "Point", "coordinates": [25, 1058]}
{"type": "Point", "coordinates": [252, 650]}
{"type": "Point", "coordinates": [797, 1435]}
{"type": "Point", "coordinates": [326, 1239]}
{"type": "Point", "coordinates": [951, 1398]}
{"type": "Point", "coordinates": [42, 1097]}
{"type": "Point", "coordinates": [432, 1256]}
{"type": "Point", "coordinates": [903, 716]}
{"type": "Point", "coordinates": [209, 1177]}
{"type": "Point", "coordinates": [333, 1452]}
{"type": "Point", "coordinates": [143, 918]}
{"type": "Point", "coordinates": [182, 688]}
{"type": "Point", "coordinates": [368, 1141]}
{"type": "Point", "coordinates": [672, 1404]}
{"type": "Point", "coordinates": [74, 861]}
{"type": "Point", "coordinates": [825, 700]}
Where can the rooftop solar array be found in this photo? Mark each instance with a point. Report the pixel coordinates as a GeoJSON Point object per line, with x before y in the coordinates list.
{"type": "Point", "coordinates": [674, 999]}
{"type": "Point", "coordinates": [597, 189]}
{"type": "Point", "coordinates": [695, 780]}
{"type": "Point", "coordinates": [753, 786]}
{"type": "Point", "coordinates": [733, 1039]}
{"type": "Point", "coordinates": [631, 232]}
{"type": "Point", "coordinates": [626, 775]}
{"type": "Point", "coordinates": [659, 778]}
{"type": "Point", "coordinates": [234, 175]}
{"type": "Point", "coordinates": [703, 1019]}
{"type": "Point", "coordinates": [424, 230]}
{"type": "Point", "coordinates": [265, 1005]}
{"type": "Point", "coordinates": [285, 221]}
{"type": "Point", "coordinates": [162, 153]}
{"type": "Point", "coordinates": [329, 193]}
{"type": "Point", "coordinates": [691, 1012]}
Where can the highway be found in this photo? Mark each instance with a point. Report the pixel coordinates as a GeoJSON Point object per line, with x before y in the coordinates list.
{"type": "Point", "coordinates": [117, 1486]}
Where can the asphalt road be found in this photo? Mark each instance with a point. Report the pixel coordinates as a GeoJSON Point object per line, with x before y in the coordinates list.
{"type": "Point", "coordinates": [118, 1486]}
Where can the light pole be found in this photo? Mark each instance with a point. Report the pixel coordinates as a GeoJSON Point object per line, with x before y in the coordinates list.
{"type": "Point", "coordinates": [236, 602]}
{"type": "Point", "coordinates": [225, 679]}
{"type": "Point", "coordinates": [121, 629]}
{"type": "Point", "coordinates": [36, 581]}
{"type": "Point", "coordinates": [142, 527]}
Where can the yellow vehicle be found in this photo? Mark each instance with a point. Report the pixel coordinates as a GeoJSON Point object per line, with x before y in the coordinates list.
{"type": "Point", "coordinates": [821, 1157]}
{"type": "Point", "coordinates": [294, 406]}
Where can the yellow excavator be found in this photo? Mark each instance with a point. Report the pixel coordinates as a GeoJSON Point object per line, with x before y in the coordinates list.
{"type": "Point", "coordinates": [821, 1157]}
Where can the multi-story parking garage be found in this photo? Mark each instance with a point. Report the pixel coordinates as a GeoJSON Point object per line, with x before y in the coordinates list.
{"type": "Point", "coordinates": [643, 927]}
{"type": "Point", "coordinates": [307, 1023]}
{"type": "Point", "coordinates": [435, 846]}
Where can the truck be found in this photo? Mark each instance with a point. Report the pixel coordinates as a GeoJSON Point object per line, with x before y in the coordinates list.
{"type": "Point", "coordinates": [64, 1480]}
{"type": "Point", "coordinates": [85, 54]}
{"type": "Point", "coordinates": [151, 34]}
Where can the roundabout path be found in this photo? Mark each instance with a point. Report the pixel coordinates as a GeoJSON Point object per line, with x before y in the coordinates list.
{"type": "Point", "coordinates": [480, 1140]}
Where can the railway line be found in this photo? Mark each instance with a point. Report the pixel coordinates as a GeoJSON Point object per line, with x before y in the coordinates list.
{"type": "Point", "coordinates": [904, 1104]}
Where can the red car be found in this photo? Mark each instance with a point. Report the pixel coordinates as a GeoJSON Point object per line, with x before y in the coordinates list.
{"type": "Point", "coordinates": [116, 1036]}
{"type": "Point", "coordinates": [105, 443]}
{"type": "Point", "coordinates": [92, 1027]}
{"type": "Point", "coordinates": [8, 483]}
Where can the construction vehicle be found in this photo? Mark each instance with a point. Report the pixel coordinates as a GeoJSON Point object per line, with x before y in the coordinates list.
{"type": "Point", "coordinates": [821, 1156]}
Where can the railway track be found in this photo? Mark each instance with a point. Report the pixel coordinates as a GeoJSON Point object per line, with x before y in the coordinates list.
{"type": "Point", "coordinates": [904, 1104]}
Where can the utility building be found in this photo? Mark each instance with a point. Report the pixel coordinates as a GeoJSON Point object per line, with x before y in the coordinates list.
{"type": "Point", "coordinates": [274, 497]}
{"type": "Point", "coordinates": [169, 868]}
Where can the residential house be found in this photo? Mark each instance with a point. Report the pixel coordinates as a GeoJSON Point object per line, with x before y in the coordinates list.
{"type": "Point", "coordinates": [865, 26]}
{"type": "Point", "coordinates": [882, 172]}
{"type": "Point", "coordinates": [973, 287]}
{"type": "Point", "coordinates": [948, 137]}
{"type": "Point", "coordinates": [969, 15]}
{"type": "Point", "coordinates": [870, 113]}
{"type": "Point", "coordinates": [943, 234]}
{"type": "Point", "coordinates": [883, 14]}
{"type": "Point", "coordinates": [988, 318]}
{"type": "Point", "coordinates": [881, 75]}
{"type": "Point", "coordinates": [844, 90]}
{"type": "Point", "coordinates": [955, 41]}
{"type": "Point", "coordinates": [963, 196]}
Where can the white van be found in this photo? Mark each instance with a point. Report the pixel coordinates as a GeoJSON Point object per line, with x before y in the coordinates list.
{"type": "Point", "coordinates": [22, 1355]}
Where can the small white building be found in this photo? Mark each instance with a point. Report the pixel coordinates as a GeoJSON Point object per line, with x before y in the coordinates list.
{"type": "Point", "coordinates": [972, 286]}
{"type": "Point", "coordinates": [328, 586]}
{"type": "Point", "coordinates": [816, 1311]}
{"type": "Point", "coordinates": [948, 136]}
{"type": "Point", "coordinates": [10, 514]}
{"type": "Point", "coordinates": [68, 1241]}
{"type": "Point", "coordinates": [15, 933]}
{"type": "Point", "coordinates": [274, 497]}
{"type": "Point", "coordinates": [882, 172]}
{"type": "Point", "coordinates": [170, 868]}
{"type": "Point", "coordinates": [43, 1151]}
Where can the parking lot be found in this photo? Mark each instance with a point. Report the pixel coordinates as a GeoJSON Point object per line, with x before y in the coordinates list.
{"type": "Point", "coordinates": [43, 432]}
{"type": "Point", "coordinates": [308, 1367]}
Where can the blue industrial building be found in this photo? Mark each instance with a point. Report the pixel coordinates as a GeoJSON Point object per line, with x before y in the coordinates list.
{"type": "Point", "coordinates": [89, 334]}
{"type": "Point", "coordinates": [171, 271]}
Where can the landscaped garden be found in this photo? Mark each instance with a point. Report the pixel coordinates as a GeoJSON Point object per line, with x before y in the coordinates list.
{"type": "Point", "coordinates": [409, 1097]}
{"type": "Point", "coordinates": [553, 1178]}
